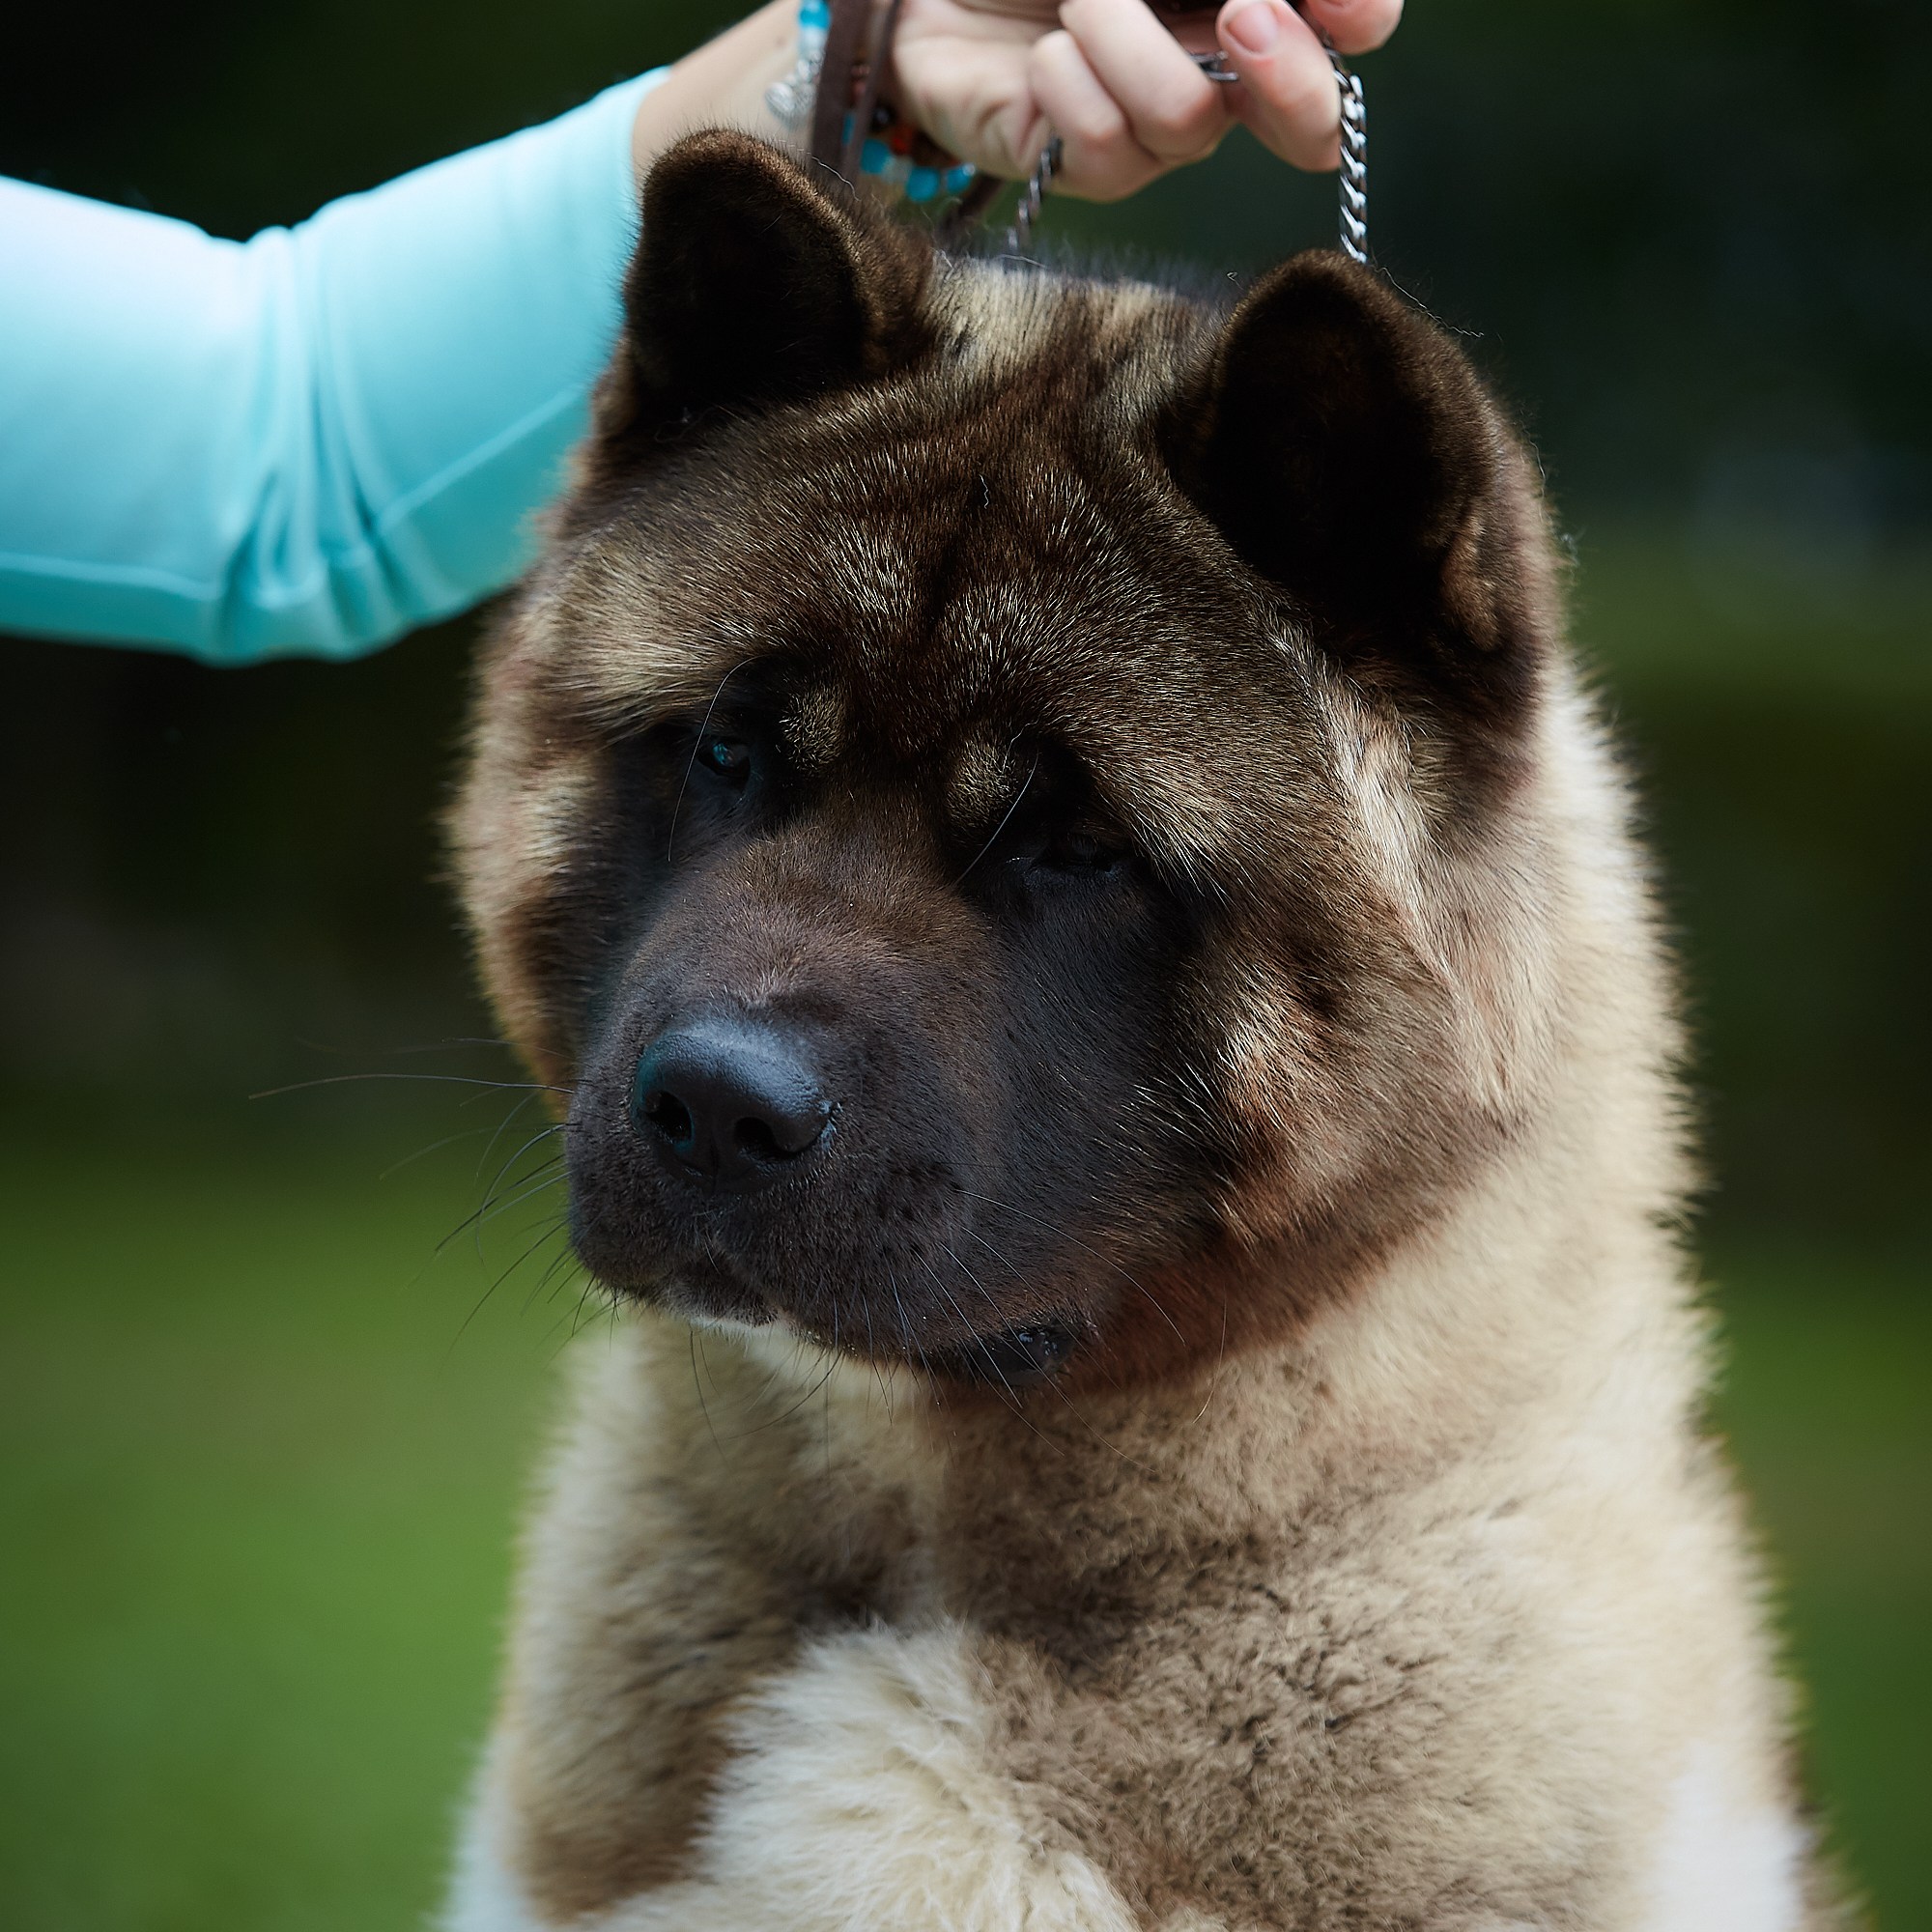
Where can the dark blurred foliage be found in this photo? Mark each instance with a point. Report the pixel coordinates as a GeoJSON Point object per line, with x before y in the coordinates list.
{"type": "Point", "coordinates": [1689, 241]}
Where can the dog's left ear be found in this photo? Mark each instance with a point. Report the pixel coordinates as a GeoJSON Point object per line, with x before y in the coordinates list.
{"type": "Point", "coordinates": [1347, 450]}
{"type": "Point", "coordinates": [756, 283]}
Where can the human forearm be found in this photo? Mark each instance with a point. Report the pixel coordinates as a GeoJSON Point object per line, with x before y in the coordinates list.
{"type": "Point", "coordinates": [721, 84]}
{"type": "Point", "coordinates": [314, 441]}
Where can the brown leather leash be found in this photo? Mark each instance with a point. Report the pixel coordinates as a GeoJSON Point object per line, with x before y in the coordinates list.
{"type": "Point", "coordinates": [841, 124]}
{"type": "Point", "coordinates": [846, 101]}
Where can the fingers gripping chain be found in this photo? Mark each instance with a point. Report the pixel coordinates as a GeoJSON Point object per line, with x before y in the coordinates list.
{"type": "Point", "coordinates": [834, 61]}
{"type": "Point", "coordinates": [1352, 227]}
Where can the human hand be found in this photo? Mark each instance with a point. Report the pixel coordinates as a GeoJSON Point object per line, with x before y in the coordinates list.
{"type": "Point", "coordinates": [993, 80]}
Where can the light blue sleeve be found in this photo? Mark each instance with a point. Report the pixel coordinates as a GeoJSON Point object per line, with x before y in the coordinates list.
{"type": "Point", "coordinates": [313, 442]}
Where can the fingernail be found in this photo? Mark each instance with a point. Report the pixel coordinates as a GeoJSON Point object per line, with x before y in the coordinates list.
{"type": "Point", "coordinates": [1253, 28]}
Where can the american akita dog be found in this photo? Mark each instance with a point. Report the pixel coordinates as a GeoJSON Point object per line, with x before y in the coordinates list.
{"type": "Point", "coordinates": [1119, 1062]}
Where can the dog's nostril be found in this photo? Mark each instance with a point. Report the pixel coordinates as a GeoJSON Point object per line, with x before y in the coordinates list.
{"type": "Point", "coordinates": [671, 1118]}
{"type": "Point", "coordinates": [734, 1099]}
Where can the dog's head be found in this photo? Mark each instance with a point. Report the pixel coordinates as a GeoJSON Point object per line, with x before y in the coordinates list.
{"type": "Point", "coordinates": [976, 803]}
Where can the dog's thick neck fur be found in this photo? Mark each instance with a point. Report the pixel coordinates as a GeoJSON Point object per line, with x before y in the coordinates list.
{"type": "Point", "coordinates": [1369, 1566]}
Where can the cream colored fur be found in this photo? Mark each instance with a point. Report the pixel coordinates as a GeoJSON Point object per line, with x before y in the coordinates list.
{"type": "Point", "coordinates": [1439, 1617]}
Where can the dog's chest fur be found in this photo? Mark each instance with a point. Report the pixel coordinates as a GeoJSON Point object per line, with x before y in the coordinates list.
{"type": "Point", "coordinates": [769, 1685]}
{"type": "Point", "coordinates": [1149, 776]}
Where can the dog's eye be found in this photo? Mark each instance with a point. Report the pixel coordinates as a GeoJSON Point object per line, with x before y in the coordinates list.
{"type": "Point", "coordinates": [728, 759]}
{"type": "Point", "coordinates": [1082, 853]}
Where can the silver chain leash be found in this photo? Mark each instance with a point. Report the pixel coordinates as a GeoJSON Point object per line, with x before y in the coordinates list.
{"type": "Point", "coordinates": [1026, 214]}
{"type": "Point", "coordinates": [1352, 228]}
{"type": "Point", "coordinates": [1354, 179]}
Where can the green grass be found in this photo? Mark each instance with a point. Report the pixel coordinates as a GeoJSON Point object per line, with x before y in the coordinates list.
{"type": "Point", "coordinates": [1826, 1404]}
{"type": "Point", "coordinates": [257, 1485]}
{"type": "Point", "coordinates": [259, 1470]}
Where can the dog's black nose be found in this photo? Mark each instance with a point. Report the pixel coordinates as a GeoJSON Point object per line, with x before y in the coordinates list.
{"type": "Point", "coordinates": [731, 1102]}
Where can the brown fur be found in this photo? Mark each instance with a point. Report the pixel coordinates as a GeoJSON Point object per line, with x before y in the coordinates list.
{"type": "Point", "coordinates": [1183, 830]}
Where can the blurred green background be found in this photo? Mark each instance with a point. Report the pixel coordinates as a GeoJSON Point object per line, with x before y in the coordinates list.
{"type": "Point", "coordinates": [261, 1442]}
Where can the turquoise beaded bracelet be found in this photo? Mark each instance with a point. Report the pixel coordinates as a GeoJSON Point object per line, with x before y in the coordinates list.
{"type": "Point", "coordinates": [895, 153]}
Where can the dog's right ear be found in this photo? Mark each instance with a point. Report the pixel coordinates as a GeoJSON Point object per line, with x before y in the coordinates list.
{"type": "Point", "coordinates": [1346, 451]}
{"type": "Point", "coordinates": [754, 283]}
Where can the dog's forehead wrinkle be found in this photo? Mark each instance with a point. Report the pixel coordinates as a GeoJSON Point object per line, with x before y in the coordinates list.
{"type": "Point", "coordinates": [1171, 750]}
{"type": "Point", "coordinates": [950, 564]}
